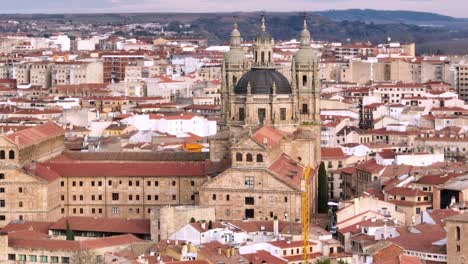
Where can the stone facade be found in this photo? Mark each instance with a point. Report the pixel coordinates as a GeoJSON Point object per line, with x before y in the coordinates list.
{"type": "Point", "coordinates": [167, 220]}
{"type": "Point", "coordinates": [24, 196]}
{"type": "Point", "coordinates": [457, 239]}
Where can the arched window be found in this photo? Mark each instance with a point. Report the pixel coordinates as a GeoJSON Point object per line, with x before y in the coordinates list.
{"type": "Point", "coordinates": [2, 154]}
{"type": "Point", "coordinates": [248, 157]}
{"type": "Point", "coordinates": [239, 157]}
{"type": "Point", "coordinates": [259, 158]}
{"type": "Point", "coordinates": [234, 80]}
{"type": "Point", "coordinates": [458, 233]}
{"type": "Point", "coordinates": [304, 80]}
{"type": "Point", "coordinates": [11, 154]}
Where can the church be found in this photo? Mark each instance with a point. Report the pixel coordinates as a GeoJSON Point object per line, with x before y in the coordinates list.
{"type": "Point", "coordinates": [270, 131]}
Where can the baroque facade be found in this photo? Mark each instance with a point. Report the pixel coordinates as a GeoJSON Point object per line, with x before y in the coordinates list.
{"type": "Point", "coordinates": [270, 131]}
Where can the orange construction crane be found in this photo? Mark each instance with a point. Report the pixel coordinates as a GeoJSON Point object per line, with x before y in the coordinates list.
{"type": "Point", "coordinates": [305, 188]}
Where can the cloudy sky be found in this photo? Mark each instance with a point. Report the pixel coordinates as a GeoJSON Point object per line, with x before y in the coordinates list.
{"type": "Point", "coordinates": [456, 8]}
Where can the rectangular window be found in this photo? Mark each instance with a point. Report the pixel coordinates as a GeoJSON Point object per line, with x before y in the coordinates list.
{"type": "Point", "coordinates": [249, 201]}
{"type": "Point", "coordinates": [54, 259]}
{"type": "Point", "coordinates": [2, 203]}
{"type": "Point", "coordinates": [148, 183]}
{"type": "Point", "coordinates": [305, 109]}
{"type": "Point", "coordinates": [130, 197]}
{"type": "Point", "coordinates": [249, 182]}
{"type": "Point", "coordinates": [65, 260]}
{"type": "Point", "coordinates": [2, 190]}
{"type": "Point", "coordinates": [2, 176]}
{"type": "Point", "coordinates": [32, 258]}
{"type": "Point", "coordinates": [174, 197]}
{"type": "Point", "coordinates": [22, 257]}
{"type": "Point", "coordinates": [137, 197]}
{"type": "Point", "coordinates": [115, 210]}
{"type": "Point", "coordinates": [2, 217]}
{"type": "Point", "coordinates": [261, 112]}
{"type": "Point", "coordinates": [192, 183]}
{"type": "Point", "coordinates": [44, 259]}
{"type": "Point", "coordinates": [137, 183]}
{"type": "Point", "coordinates": [241, 114]}
{"type": "Point", "coordinates": [115, 196]}
{"type": "Point", "coordinates": [156, 183]}
{"type": "Point", "coordinates": [130, 183]}
{"type": "Point", "coordinates": [156, 197]}
{"type": "Point", "coordinates": [282, 114]}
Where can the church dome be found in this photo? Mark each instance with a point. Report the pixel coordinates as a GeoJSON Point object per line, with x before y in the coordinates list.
{"type": "Point", "coordinates": [305, 56]}
{"type": "Point", "coordinates": [234, 56]}
{"type": "Point", "coordinates": [261, 82]}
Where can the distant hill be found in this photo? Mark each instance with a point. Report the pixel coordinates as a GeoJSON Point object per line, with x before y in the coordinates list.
{"type": "Point", "coordinates": [440, 34]}
{"type": "Point", "coordinates": [383, 16]}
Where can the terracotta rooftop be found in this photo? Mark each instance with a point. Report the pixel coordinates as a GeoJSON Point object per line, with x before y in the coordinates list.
{"type": "Point", "coordinates": [267, 136]}
{"type": "Point", "coordinates": [108, 225]}
{"type": "Point", "coordinates": [66, 245]}
{"type": "Point", "coordinates": [118, 169]}
{"type": "Point", "coordinates": [34, 135]}
{"type": "Point", "coordinates": [332, 153]}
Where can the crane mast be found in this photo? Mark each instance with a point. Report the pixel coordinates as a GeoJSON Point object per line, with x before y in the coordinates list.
{"type": "Point", "coordinates": [305, 188]}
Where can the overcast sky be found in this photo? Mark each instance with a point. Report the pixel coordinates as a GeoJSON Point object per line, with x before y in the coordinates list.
{"type": "Point", "coordinates": [456, 8]}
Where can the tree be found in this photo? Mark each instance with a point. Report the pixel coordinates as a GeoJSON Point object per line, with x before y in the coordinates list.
{"type": "Point", "coordinates": [84, 257]}
{"type": "Point", "coordinates": [210, 225]}
{"type": "Point", "coordinates": [192, 220]}
{"type": "Point", "coordinates": [322, 190]}
{"type": "Point", "coordinates": [323, 261]}
{"type": "Point", "coordinates": [342, 262]}
{"type": "Point", "coordinates": [69, 233]}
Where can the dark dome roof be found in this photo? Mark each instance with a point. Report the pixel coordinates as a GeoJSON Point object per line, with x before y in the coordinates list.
{"type": "Point", "coordinates": [261, 82]}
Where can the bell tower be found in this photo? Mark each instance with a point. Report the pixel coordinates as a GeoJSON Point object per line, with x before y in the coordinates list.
{"type": "Point", "coordinates": [263, 48]}
{"type": "Point", "coordinates": [305, 79]}
{"type": "Point", "coordinates": [234, 66]}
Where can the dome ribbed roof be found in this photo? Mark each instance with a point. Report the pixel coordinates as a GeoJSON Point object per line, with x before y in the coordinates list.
{"type": "Point", "coordinates": [261, 82]}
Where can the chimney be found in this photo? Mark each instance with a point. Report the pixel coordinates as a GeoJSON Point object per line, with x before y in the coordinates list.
{"type": "Point", "coordinates": [356, 206]}
{"type": "Point", "coordinates": [275, 226]}
{"type": "Point", "coordinates": [203, 225]}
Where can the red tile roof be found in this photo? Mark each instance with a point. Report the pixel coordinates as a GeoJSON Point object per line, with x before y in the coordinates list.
{"type": "Point", "coordinates": [288, 170]}
{"type": "Point", "coordinates": [262, 255]}
{"type": "Point", "coordinates": [332, 153]}
{"type": "Point", "coordinates": [267, 136]}
{"type": "Point", "coordinates": [34, 135]}
{"type": "Point", "coordinates": [108, 225]}
{"type": "Point", "coordinates": [14, 226]}
{"type": "Point", "coordinates": [118, 169]}
{"type": "Point", "coordinates": [66, 245]}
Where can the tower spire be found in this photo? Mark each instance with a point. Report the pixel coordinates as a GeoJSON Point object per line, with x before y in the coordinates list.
{"type": "Point", "coordinates": [235, 22]}
{"type": "Point", "coordinates": [304, 36]}
{"type": "Point", "coordinates": [263, 23]}
{"type": "Point", "coordinates": [235, 41]}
